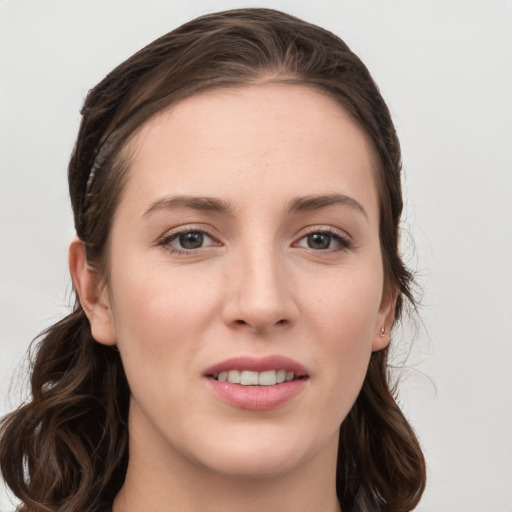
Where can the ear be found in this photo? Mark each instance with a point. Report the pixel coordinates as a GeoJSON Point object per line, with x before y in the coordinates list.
{"type": "Point", "coordinates": [92, 293]}
{"type": "Point", "coordinates": [385, 319]}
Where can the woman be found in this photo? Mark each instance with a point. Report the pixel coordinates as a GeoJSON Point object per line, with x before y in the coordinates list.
{"type": "Point", "coordinates": [236, 194]}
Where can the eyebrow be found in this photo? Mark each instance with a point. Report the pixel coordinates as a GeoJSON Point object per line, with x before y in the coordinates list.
{"type": "Point", "coordinates": [212, 204]}
{"type": "Point", "coordinates": [315, 202]}
{"type": "Point", "coordinates": [208, 204]}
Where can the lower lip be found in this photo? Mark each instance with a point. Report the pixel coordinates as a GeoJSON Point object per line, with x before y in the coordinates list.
{"type": "Point", "coordinates": [256, 398]}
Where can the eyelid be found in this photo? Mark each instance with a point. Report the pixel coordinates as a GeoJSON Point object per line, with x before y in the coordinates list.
{"type": "Point", "coordinates": [171, 234]}
{"type": "Point", "coordinates": [345, 240]}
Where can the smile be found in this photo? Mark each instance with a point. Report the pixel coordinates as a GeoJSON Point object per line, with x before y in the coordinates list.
{"type": "Point", "coordinates": [253, 378]}
{"type": "Point", "coordinates": [255, 383]}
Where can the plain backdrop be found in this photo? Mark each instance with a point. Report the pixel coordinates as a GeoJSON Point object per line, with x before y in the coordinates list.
{"type": "Point", "coordinates": [445, 69]}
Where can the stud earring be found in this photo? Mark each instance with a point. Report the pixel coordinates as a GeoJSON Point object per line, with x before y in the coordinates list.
{"type": "Point", "coordinates": [383, 331]}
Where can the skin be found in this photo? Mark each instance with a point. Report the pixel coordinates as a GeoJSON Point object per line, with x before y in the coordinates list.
{"type": "Point", "coordinates": [257, 286]}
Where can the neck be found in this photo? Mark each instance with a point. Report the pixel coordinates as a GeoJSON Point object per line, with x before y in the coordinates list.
{"type": "Point", "coordinates": [217, 494]}
{"type": "Point", "coordinates": [158, 480]}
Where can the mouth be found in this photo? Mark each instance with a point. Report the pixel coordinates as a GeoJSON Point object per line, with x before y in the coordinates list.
{"type": "Point", "coordinates": [257, 384]}
{"type": "Point", "coordinates": [253, 378]}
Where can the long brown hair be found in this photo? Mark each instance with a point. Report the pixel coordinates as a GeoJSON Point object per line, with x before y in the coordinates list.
{"type": "Point", "coordinates": [67, 449]}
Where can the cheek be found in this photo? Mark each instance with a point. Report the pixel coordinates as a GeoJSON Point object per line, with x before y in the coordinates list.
{"type": "Point", "coordinates": [345, 318]}
{"type": "Point", "coordinates": [160, 318]}
{"type": "Point", "coordinates": [348, 304]}
{"type": "Point", "coordinates": [158, 314]}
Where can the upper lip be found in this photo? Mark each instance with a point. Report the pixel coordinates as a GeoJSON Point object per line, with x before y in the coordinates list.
{"type": "Point", "coordinates": [258, 364]}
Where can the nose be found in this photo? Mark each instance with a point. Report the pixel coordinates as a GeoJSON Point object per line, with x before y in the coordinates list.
{"type": "Point", "coordinates": [260, 292]}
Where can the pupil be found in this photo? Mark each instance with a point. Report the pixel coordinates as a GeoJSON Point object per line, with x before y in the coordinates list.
{"type": "Point", "coordinates": [319, 241]}
{"type": "Point", "coordinates": [192, 240]}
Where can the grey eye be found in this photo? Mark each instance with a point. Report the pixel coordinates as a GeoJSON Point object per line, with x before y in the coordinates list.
{"type": "Point", "coordinates": [318, 241]}
{"type": "Point", "coordinates": [323, 241]}
{"type": "Point", "coordinates": [191, 240]}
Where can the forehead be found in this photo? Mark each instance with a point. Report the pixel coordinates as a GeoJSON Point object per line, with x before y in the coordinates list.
{"type": "Point", "coordinates": [277, 137]}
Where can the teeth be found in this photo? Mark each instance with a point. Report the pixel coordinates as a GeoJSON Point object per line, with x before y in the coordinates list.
{"type": "Point", "coordinates": [267, 378]}
{"type": "Point", "coordinates": [250, 378]}
{"type": "Point", "coordinates": [233, 376]}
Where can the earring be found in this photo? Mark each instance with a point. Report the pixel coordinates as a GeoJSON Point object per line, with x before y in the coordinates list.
{"type": "Point", "coordinates": [383, 331]}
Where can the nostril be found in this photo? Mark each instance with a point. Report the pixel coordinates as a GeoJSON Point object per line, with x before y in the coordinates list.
{"type": "Point", "coordinates": [240, 322]}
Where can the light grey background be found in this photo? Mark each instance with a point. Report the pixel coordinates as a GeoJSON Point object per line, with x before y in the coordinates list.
{"type": "Point", "coordinates": [445, 68]}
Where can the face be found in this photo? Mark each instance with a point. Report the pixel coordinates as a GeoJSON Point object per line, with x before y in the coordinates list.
{"type": "Point", "coordinates": [245, 248]}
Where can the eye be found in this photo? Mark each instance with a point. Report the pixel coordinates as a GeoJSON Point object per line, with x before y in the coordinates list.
{"type": "Point", "coordinates": [189, 240]}
{"type": "Point", "coordinates": [323, 241]}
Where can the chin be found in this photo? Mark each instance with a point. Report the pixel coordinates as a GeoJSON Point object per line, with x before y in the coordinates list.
{"type": "Point", "coordinates": [260, 463]}
{"type": "Point", "coordinates": [262, 455]}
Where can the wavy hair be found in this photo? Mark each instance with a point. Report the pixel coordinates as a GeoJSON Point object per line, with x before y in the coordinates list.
{"type": "Point", "coordinates": [66, 449]}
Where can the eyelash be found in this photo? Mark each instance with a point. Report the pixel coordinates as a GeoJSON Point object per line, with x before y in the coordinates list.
{"type": "Point", "coordinates": [345, 243]}
{"type": "Point", "coordinates": [167, 240]}
{"type": "Point", "coordinates": [343, 240]}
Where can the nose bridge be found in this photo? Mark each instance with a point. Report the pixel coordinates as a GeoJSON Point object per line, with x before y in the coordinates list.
{"type": "Point", "coordinates": [260, 294]}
